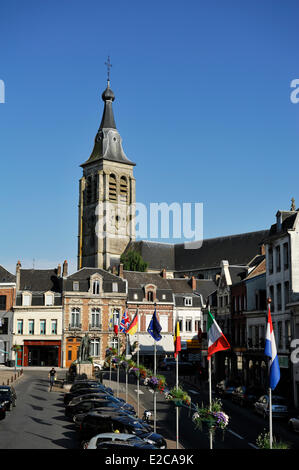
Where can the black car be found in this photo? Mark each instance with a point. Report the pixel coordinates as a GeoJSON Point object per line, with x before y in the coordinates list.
{"type": "Point", "coordinates": [78, 418]}
{"type": "Point", "coordinates": [95, 423]}
{"type": "Point", "coordinates": [2, 410]}
{"type": "Point", "coordinates": [87, 405]}
{"type": "Point", "coordinates": [8, 396]}
{"type": "Point", "coordinates": [89, 384]}
{"type": "Point", "coordinates": [103, 396]}
{"type": "Point", "coordinates": [246, 396]}
{"type": "Point", "coordinates": [83, 391]}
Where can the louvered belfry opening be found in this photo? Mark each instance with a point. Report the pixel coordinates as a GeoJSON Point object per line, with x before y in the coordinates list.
{"type": "Point", "coordinates": [112, 188]}
{"type": "Point", "coordinates": [123, 189]}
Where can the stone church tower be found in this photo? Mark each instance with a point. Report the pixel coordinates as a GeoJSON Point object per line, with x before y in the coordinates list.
{"type": "Point", "coordinates": [107, 197]}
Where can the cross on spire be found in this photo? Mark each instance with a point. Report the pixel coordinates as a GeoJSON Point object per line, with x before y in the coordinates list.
{"type": "Point", "coordinates": [109, 65]}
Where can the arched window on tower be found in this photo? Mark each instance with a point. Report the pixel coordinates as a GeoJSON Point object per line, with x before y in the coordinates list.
{"type": "Point", "coordinates": [112, 187]}
{"type": "Point", "coordinates": [89, 190]}
{"type": "Point", "coordinates": [123, 189]}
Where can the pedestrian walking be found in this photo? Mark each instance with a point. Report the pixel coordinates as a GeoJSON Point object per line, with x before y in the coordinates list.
{"type": "Point", "coordinates": [52, 375]}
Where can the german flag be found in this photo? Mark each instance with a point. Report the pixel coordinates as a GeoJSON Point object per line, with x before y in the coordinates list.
{"type": "Point", "coordinates": [133, 326]}
{"type": "Point", "coordinates": [177, 340]}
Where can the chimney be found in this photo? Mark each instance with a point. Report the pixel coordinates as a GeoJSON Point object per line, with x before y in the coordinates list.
{"type": "Point", "coordinates": [193, 283]}
{"type": "Point", "coordinates": [262, 249]}
{"type": "Point", "coordinates": [59, 270]}
{"type": "Point", "coordinates": [65, 269]}
{"type": "Point", "coordinates": [18, 275]}
{"type": "Point", "coordinates": [121, 270]}
{"type": "Point", "coordinates": [163, 273]}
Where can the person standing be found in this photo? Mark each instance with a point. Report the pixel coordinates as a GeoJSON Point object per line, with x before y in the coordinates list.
{"type": "Point", "coordinates": [52, 375]}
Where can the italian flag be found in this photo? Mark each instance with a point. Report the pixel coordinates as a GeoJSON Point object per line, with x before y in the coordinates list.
{"type": "Point", "coordinates": [216, 339]}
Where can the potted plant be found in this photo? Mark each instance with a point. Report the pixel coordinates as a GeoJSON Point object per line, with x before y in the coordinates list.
{"type": "Point", "coordinates": [16, 348]}
{"type": "Point", "coordinates": [178, 396]}
{"type": "Point", "coordinates": [213, 417]}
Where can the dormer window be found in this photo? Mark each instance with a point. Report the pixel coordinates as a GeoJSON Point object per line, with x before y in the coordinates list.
{"type": "Point", "coordinates": [114, 287]}
{"type": "Point", "coordinates": [49, 299]}
{"type": "Point", "coordinates": [150, 296]}
{"type": "Point", "coordinates": [96, 287]}
{"type": "Point", "coordinates": [188, 301]}
{"type": "Point", "coordinates": [26, 299]}
{"type": "Point", "coordinates": [76, 286]}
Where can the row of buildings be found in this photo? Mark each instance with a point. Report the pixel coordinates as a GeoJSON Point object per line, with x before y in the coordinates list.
{"type": "Point", "coordinates": [47, 312]}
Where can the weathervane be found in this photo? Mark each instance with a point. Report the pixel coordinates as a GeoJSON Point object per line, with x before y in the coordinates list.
{"type": "Point", "coordinates": [109, 65]}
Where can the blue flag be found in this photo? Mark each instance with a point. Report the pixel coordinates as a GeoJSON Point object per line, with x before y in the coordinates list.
{"type": "Point", "coordinates": [154, 327]}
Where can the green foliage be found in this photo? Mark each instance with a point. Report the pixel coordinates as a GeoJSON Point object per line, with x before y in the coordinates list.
{"type": "Point", "coordinates": [133, 261]}
{"type": "Point", "coordinates": [263, 442]}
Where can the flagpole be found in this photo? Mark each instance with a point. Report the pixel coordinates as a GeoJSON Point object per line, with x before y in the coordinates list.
{"type": "Point", "coordinates": [118, 351]}
{"type": "Point", "coordinates": [177, 408]}
{"type": "Point", "coordinates": [270, 397]}
{"type": "Point", "coordinates": [126, 337]}
{"type": "Point", "coordinates": [210, 398]}
{"type": "Point", "coordinates": [155, 396]}
{"type": "Point", "coordinates": [138, 362]}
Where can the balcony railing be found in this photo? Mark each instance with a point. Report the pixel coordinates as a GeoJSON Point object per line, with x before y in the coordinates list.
{"type": "Point", "coordinates": [73, 327]}
{"type": "Point", "coordinates": [96, 327]}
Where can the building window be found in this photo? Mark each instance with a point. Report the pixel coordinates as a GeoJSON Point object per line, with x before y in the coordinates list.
{"type": "Point", "coordinates": [285, 255]}
{"type": "Point", "coordinates": [270, 253]}
{"type": "Point", "coordinates": [3, 326]}
{"type": "Point", "coordinates": [188, 301]}
{"type": "Point", "coordinates": [54, 327]}
{"type": "Point", "coordinates": [42, 327]}
{"type": "Point", "coordinates": [26, 300]}
{"type": "Point", "coordinates": [2, 302]}
{"type": "Point", "coordinates": [181, 324]}
{"type": "Point", "coordinates": [188, 324]}
{"type": "Point", "coordinates": [135, 296]}
{"type": "Point", "coordinates": [279, 326]}
{"type": "Point", "coordinates": [94, 347]}
{"type": "Point", "coordinates": [288, 333]}
{"type": "Point", "coordinates": [95, 317]}
{"type": "Point", "coordinates": [112, 187]}
{"type": "Point", "coordinates": [163, 320]}
{"type": "Point", "coordinates": [96, 287]}
{"type": "Point", "coordinates": [197, 325]}
{"type": "Point", "coordinates": [278, 296]}
{"type": "Point", "coordinates": [286, 292]}
{"type": "Point", "coordinates": [113, 343]}
{"type": "Point", "coordinates": [123, 189]}
{"type": "Point", "coordinates": [114, 287]}
{"type": "Point", "coordinates": [49, 299]}
{"type": "Point", "coordinates": [75, 318]}
{"type": "Point", "coordinates": [76, 286]}
{"type": "Point", "coordinates": [278, 263]}
{"type": "Point", "coordinates": [31, 327]}
{"type": "Point", "coordinates": [20, 327]}
{"type": "Point", "coordinates": [150, 296]}
{"type": "Point", "coordinates": [271, 289]}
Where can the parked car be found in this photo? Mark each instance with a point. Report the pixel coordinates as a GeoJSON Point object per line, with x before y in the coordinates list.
{"type": "Point", "coordinates": [69, 396]}
{"type": "Point", "coordinates": [8, 396]}
{"type": "Point", "coordinates": [169, 363]}
{"type": "Point", "coordinates": [103, 396]}
{"type": "Point", "coordinates": [226, 391]}
{"type": "Point", "coordinates": [279, 406]}
{"type": "Point", "coordinates": [87, 405]}
{"type": "Point", "coordinates": [294, 424]}
{"type": "Point", "coordinates": [245, 396]}
{"type": "Point", "coordinates": [2, 410]}
{"type": "Point", "coordinates": [95, 423]}
{"type": "Point", "coordinates": [111, 437]}
{"type": "Point", "coordinates": [116, 445]}
{"type": "Point", "coordinates": [77, 419]}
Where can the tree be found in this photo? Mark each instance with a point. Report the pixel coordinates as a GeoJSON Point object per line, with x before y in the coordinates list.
{"type": "Point", "coordinates": [133, 261]}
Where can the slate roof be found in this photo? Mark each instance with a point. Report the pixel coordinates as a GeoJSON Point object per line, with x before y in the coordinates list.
{"type": "Point", "coordinates": [83, 277]}
{"type": "Point", "coordinates": [6, 276]}
{"type": "Point", "coordinates": [183, 288]}
{"type": "Point", "coordinates": [39, 280]}
{"type": "Point", "coordinates": [137, 281]}
{"type": "Point", "coordinates": [237, 249]}
{"type": "Point", "coordinates": [288, 222]}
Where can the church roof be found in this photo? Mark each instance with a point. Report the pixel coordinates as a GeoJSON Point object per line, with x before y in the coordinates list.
{"type": "Point", "coordinates": [108, 142]}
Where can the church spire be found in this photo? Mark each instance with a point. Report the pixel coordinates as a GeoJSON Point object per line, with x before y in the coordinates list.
{"type": "Point", "coordinates": [108, 97]}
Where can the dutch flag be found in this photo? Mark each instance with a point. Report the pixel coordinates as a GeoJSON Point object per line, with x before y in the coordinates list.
{"type": "Point", "coordinates": [271, 352]}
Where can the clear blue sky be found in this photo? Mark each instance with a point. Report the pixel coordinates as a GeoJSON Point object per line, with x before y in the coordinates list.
{"type": "Point", "coordinates": [202, 104]}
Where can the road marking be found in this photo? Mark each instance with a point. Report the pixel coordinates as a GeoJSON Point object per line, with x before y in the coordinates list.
{"type": "Point", "coordinates": [235, 434]}
{"type": "Point", "coordinates": [139, 391]}
{"type": "Point", "coordinates": [193, 391]}
{"type": "Point", "coordinates": [252, 445]}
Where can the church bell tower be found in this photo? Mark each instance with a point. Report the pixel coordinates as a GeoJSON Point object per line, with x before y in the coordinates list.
{"type": "Point", "coordinates": [106, 196]}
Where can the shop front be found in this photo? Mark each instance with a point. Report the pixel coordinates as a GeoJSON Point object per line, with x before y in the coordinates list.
{"type": "Point", "coordinates": [42, 353]}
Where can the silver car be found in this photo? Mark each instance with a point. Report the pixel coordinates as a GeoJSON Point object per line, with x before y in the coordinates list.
{"type": "Point", "coordinates": [279, 406]}
{"type": "Point", "coordinates": [110, 436]}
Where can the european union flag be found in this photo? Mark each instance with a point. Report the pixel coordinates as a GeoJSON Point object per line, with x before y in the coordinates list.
{"type": "Point", "coordinates": [154, 327]}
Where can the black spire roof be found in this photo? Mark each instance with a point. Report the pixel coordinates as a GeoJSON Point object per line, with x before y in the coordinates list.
{"type": "Point", "coordinates": [108, 142]}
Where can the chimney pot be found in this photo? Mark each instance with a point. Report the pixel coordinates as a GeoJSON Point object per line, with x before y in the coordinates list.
{"type": "Point", "coordinates": [121, 270]}
{"type": "Point", "coordinates": [65, 269]}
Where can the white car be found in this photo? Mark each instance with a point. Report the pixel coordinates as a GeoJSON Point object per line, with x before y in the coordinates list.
{"type": "Point", "coordinates": [111, 436]}
{"type": "Point", "coordinates": [97, 366]}
{"type": "Point", "coordinates": [294, 424]}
